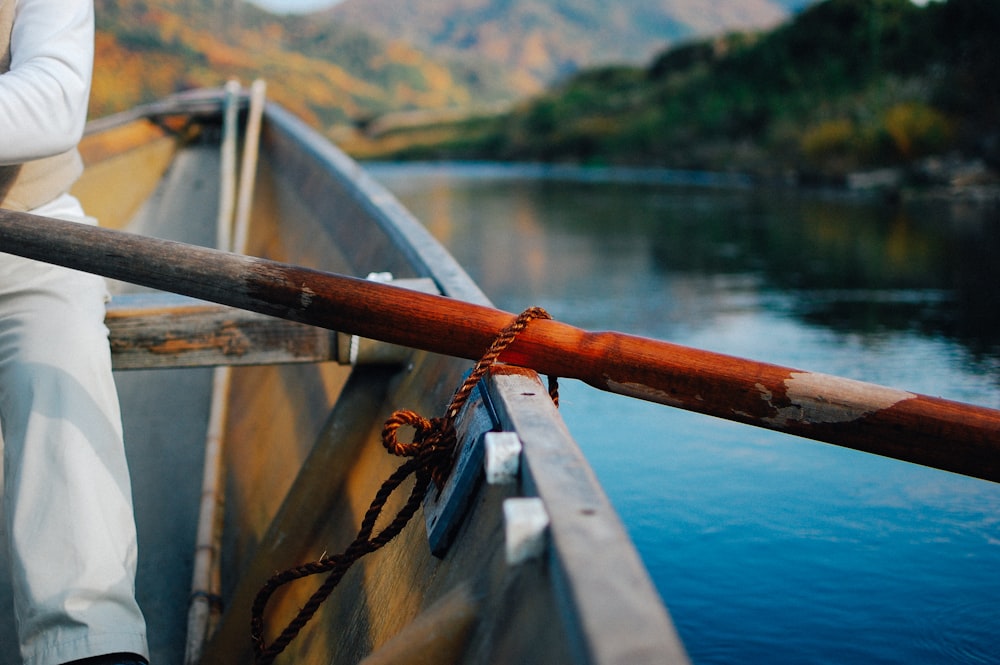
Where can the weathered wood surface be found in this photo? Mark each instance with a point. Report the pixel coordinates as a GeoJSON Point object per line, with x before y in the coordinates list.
{"type": "Point", "coordinates": [165, 330]}
{"type": "Point", "coordinates": [168, 331]}
{"type": "Point", "coordinates": [314, 505]}
{"type": "Point", "coordinates": [588, 535]}
{"type": "Point", "coordinates": [925, 430]}
{"type": "Point", "coordinates": [319, 197]}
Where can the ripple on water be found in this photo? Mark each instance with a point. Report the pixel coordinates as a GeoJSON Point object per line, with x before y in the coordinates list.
{"type": "Point", "coordinates": [963, 632]}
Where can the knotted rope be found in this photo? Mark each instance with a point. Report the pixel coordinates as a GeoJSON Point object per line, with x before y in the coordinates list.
{"type": "Point", "coordinates": [429, 459]}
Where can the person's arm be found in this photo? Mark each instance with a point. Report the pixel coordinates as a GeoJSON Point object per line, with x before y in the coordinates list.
{"type": "Point", "coordinates": [43, 98]}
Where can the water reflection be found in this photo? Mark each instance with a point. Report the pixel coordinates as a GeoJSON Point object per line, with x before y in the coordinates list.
{"type": "Point", "coordinates": [767, 548]}
{"type": "Point", "coordinates": [649, 257]}
{"type": "Point", "coordinates": [859, 267]}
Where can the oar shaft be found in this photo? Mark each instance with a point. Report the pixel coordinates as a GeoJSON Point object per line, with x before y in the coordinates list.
{"type": "Point", "coordinates": [916, 428]}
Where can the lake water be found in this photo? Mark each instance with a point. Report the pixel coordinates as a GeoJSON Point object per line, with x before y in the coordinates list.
{"type": "Point", "coordinates": [765, 547]}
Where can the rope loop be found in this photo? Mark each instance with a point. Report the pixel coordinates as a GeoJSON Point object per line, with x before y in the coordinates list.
{"type": "Point", "coordinates": [390, 440]}
{"type": "Point", "coordinates": [429, 458]}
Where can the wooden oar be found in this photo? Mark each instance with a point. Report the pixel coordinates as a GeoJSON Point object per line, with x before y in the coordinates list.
{"type": "Point", "coordinates": [925, 430]}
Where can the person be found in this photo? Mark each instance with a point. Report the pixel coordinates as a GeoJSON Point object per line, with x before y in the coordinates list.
{"type": "Point", "coordinates": [67, 496]}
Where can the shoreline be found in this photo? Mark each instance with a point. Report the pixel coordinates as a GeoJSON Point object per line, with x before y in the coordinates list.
{"type": "Point", "coordinates": [971, 183]}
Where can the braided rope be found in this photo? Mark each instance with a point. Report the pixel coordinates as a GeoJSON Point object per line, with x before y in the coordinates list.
{"type": "Point", "coordinates": [430, 458]}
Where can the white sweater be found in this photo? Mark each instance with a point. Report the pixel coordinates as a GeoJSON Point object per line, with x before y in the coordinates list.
{"type": "Point", "coordinates": [43, 98]}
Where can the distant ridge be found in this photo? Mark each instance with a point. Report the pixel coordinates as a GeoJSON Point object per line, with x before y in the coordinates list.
{"type": "Point", "coordinates": [325, 73]}
{"type": "Point", "coordinates": [540, 41]}
{"type": "Point", "coordinates": [362, 59]}
{"type": "Point", "coordinates": [871, 94]}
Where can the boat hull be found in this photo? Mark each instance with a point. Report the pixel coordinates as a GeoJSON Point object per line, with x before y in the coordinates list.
{"type": "Point", "coordinates": [300, 439]}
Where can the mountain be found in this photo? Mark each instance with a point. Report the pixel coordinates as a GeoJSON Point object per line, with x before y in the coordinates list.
{"type": "Point", "coordinates": [542, 41]}
{"type": "Point", "coordinates": [326, 73]}
{"type": "Point", "coordinates": [364, 58]}
{"type": "Point", "coordinates": [846, 86]}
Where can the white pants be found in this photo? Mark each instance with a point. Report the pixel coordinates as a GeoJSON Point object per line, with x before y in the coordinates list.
{"type": "Point", "coordinates": [67, 495]}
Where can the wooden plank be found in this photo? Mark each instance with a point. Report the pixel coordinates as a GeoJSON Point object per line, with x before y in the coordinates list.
{"type": "Point", "coordinates": [609, 600]}
{"type": "Point", "coordinates": [444, 511]}
{"type": "Point", "coordinates": [438, 635]}
{"type": "Point", "coordinates": [308, 508]}
{"type": "Point", "coordinates": [164, 330]}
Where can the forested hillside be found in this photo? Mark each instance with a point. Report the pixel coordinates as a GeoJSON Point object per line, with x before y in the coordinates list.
{"type": "Point", "coordinates": [357, 61]}
{"type": "Point", "coordinates": [325, 74]}
{"type": "Point", "coordinates": [848, 85]}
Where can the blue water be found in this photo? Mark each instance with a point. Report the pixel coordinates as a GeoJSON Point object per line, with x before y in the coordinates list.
{"type": "Point", "coordinates": [766, 548]}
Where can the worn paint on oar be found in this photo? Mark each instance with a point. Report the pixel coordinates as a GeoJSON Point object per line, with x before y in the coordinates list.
{"type": "Point", "coordinates": [916, 428]}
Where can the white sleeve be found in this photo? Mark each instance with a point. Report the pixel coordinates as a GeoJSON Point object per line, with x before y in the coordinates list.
{"type": "Point", "coordinates": [43, 98]}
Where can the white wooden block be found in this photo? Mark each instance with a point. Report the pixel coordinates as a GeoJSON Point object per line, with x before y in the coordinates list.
{"type": "Point", "coordinates": [503, 457]}
{"type": "Point", "coordinates": [526, 524]}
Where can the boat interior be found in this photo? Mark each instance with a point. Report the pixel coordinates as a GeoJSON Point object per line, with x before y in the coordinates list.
{"type": "Point", "coordinates": [288, 452]}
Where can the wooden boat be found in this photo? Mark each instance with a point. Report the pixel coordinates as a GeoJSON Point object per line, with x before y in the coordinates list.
{"type": "Point", "coordinates": [256, 443]}
{"type": "Point", "coordinates": [293, 424]}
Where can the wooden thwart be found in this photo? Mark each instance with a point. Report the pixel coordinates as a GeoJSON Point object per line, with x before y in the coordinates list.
{"type": "Point", "coordinates": [166, 330]}
{"type": "Point", "coordinates": [925, 430]}
{"type": "Point", "coordinates": [161, 331]}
